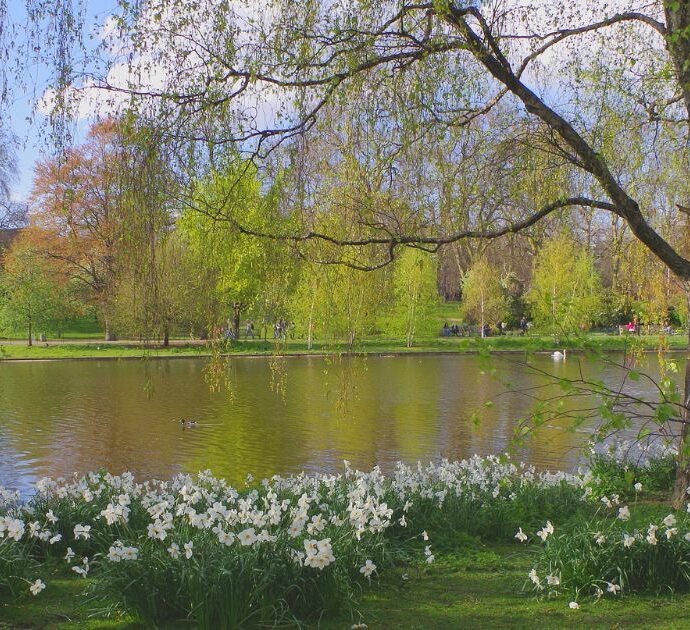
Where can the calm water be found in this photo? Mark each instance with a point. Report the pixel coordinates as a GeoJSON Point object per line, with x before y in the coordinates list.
{"type": "Point", "coordinates": [61, 417]}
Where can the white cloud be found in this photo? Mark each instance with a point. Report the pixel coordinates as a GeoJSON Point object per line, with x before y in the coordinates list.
{"type": "Point", "coordinates": [177, 41]}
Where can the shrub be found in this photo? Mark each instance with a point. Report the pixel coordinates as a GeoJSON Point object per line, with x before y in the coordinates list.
{"type": "Point", "coordinates": [627, 468]}
{"type": "Point", "coordinates": [607, 556]}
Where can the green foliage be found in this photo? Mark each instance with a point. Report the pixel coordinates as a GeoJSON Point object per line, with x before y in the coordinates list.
{"type": "Point", "coordinates": [614, 477]}
{"type": "Point", "coordinates": [606, 556]}
{"type": "Point", "coordinates": [483, 295]}
{"type": "Point", "coordinates": [415, 292]}
{"type": "Point", "coordinates": [628, 469]}
{"type": "Point", "coordinates": [336, 303]}
{"type": "Point", "coordinates": [246, 268]}
{"type": "Point", "coordinates": [565, 297]}
{"type": "Point", "coordinates": [31, 298]}
{"type": "Point", "coordinates": [17, 567]}
{"type": "Point", "coordinates": [228, 587]}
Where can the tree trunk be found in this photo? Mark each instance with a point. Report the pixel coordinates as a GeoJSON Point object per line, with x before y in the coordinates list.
{"type": "Point", "coordinates": [310, 329]}
{"type": "Point", "coordinates": [678, 44]}
{"type": "Point", "coordinates": [236, 312]}
{"type": "Point", "coordinates": [166, 336]}
{"type": "Point", "coordinates": [481, 306]}
{"type": "Point", "coordinates": [108, 336]}
{"type": "Point", "coordinates": [30, 333]}
{"type": "Point", "coordinates": [683, 473]}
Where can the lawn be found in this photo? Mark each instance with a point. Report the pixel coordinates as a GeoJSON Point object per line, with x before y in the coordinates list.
{"type": "Point", "coordinates": [82, 338]}
{"type": "Point", "coordinates": [373, 344]}
{"type": "Point", "coordinates": [472, 585]}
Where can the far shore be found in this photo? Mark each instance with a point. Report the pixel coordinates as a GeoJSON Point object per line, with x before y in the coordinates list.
{"type": "Point", "coordinates": [83, 349]}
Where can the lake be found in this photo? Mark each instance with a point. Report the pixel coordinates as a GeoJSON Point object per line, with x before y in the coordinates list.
{"type": "Point", "coordinates": [278, 416]}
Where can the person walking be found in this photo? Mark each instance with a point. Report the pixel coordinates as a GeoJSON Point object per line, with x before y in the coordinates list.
{"type": "Point", "coordinates": [249, 330]}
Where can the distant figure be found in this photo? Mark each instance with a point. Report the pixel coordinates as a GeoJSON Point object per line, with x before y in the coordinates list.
{"type": "Point", "coordinates": [446, 330]}
{"type": "Point", "coordinates": [631, 327]}
{"type": "Point", "coordinates": [504, 328]}
{"type": "Point", "coordinates": [636, 325]}
{"type": "Point", "coordinates": [523, 325]}
{"type": "Point", "coordinates": [280, 330]}
{"type": "Point", "coordinates": [486, 331]}
{"type": "Point", "coordinates": [249, 330]}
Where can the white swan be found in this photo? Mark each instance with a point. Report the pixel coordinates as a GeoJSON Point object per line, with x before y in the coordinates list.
{"type": "Point", "coordinates": [557, 356]}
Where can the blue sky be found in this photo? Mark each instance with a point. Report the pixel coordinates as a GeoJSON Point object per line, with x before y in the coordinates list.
{"type": "Point", "coordinates": [24, 121]}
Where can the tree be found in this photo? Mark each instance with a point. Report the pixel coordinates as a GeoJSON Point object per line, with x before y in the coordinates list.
{"type": "Point", "coordinates": [336, 303]}
{"type": "Point", "coordinates": [448, 62]}
{"type": "Point", "coordinates": [12, 214]}
{"type": "Point", "coordinates": [242, 264]}
{"type": "Point", "coordinates": [165, 290]}
{"type": "Point", "coordinates": [566, 296]}
{"type": "Point", "coordinates": [31, 295]}
{"type": "Point", "coordinates": [483, 296]}
{"type": "Point", "coordinates": [100, 209]}
{"type": "Point", "coordinates": [77, 204]}
{"type": "Point", "coordinates": [414, 287]}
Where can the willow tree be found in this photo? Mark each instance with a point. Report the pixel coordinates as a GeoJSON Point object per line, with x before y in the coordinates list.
{"type": "Point", "coordinates": [221, 73]}
{"type": "Point", "coordinates": [243, 266]}
{"type": "Point", "coordinates": [414, 288]}
{"type": "Point", "coordinates": [565, 296]}
{"type": "Point", "coordinates": [483, 297]}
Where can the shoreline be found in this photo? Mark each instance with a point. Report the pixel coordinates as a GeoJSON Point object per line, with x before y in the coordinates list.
{"type": "Point", "coordinates": [159, 353]}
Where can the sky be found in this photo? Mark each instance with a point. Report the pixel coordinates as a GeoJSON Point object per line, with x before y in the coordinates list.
{"type": "Point", "coordinates": [33, 145]}
{"type": "Point", "coordinates": [27, 121]}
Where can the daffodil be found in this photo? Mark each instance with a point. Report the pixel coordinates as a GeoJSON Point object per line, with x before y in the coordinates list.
{"type": "Point", "coordinates": [670, 520]}
{"type": "Point", "coordinates": [247, 537]}
{"type": "Point", "coordinates": [82, 531]}
{"type": "Point", "coordinates": [188, 549]}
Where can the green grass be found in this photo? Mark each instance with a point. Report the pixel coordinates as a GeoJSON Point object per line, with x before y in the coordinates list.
{"type": "Point", "coordinates": [481, 587]}
{"type": "Point", "coordinates": [86, 327]}
{"type": "Point", "coordinates": [379, 344]}
{"type": "Point", "coordinates": [471, 586]}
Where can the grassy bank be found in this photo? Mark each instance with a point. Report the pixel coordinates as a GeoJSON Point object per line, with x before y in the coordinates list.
{"type": "Point", "coordinates": [383, 345]}
{"type": "Point", "coordinates": [471, 585]}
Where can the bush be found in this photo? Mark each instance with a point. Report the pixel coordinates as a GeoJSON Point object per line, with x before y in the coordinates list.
{"type": "Point", "coordinates": [16, 563]}
{"type": "Point", "coordinates": [609, 556]}
{"type": "Point", "coordinates": [291, 548]}
{"type": "Point", "coordinates": [628, 468]}
{"type": "Point", "coordinates": [17, 567]}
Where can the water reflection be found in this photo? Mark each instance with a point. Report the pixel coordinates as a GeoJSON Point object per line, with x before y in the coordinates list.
{"type": "Point", "coordinates": [60, 417]}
